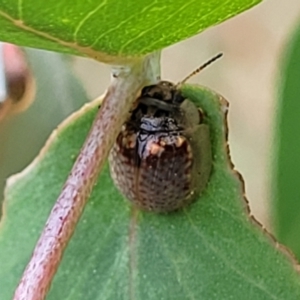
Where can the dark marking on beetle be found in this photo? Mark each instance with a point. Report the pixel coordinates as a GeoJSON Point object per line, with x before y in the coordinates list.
{"type": "Point", "coordinates": [161, 160]}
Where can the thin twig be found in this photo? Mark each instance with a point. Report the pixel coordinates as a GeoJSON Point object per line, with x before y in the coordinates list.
{"type": "Point", "coordinates": [126, 83]}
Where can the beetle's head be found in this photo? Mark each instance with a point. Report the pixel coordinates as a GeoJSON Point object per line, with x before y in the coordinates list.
{"type": "Point", "coordinates": [163, 95]}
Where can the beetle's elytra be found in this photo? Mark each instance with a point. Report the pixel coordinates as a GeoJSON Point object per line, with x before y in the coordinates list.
{"type": "Point", "coordinates": [162, 157]}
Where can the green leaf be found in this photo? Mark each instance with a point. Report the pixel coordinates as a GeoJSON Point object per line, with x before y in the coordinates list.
{"type": "Point", "coordinates": [286, 163]}
{"type": "Point", "coordinates": [111, 28]}
{"type": "Point", "coordinates": [210, 250]}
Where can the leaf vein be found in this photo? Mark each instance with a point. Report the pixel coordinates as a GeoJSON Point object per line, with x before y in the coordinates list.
{"type": "Point", "coordinates": [85, 19]}
{"type": "Point", "coordinates": [158, 24]}
{"type": "Point", "coordinates": [167, 255]}
{"type": "Point", "coordinates": [121, 24]}
{"type": "Point", "coordinates": [20, 9]}
{"type": "Point", "coordinates": [228, 262]}
{"type": "Point", "coordinates": [190, 25]}
{"type": "Point", "coordinates": [79, 50]}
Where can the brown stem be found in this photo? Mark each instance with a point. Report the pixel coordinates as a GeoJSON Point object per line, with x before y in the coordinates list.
{"type": "Point", "coordinates": [126, 83]}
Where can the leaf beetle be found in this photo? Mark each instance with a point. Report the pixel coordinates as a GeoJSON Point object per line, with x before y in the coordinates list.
{"type": "Point", "coordinates": [161, 160]}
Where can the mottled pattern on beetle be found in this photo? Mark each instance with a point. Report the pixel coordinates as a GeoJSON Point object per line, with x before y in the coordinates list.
{"type": "Point", "coordinates": [162, 157]}
{"type": "Point", "coordinates": [121, 158]}
{"type": "Point", "coordinates": [158, 169]}
{"type": "Point", "coordinates": [165, 173]}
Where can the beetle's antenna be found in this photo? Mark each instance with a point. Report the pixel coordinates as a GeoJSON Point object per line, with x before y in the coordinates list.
{"type": "Point", "coordinates": [199, 69]}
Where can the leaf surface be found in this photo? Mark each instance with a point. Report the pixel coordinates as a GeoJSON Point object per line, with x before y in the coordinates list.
{"type": "Point", "coordinates": [110, 28]}
{"type": "Point", "coordinates": [209, 250]}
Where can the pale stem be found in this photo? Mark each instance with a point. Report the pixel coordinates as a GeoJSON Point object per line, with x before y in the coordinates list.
{"type": "Point", "coordinates": [125, 86]}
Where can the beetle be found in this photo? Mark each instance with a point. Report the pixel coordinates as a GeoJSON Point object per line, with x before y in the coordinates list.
{"type": "Point", "coordinates": [162, 160]}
